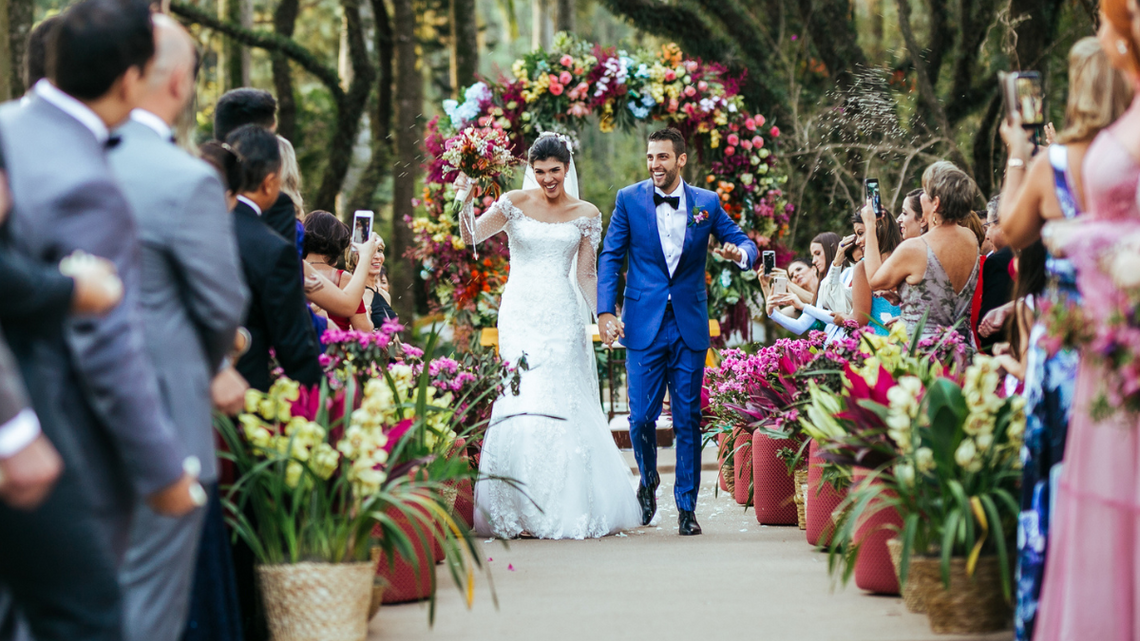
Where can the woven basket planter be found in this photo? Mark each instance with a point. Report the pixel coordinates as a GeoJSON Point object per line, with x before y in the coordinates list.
{"type": "Point", "coordinates": [317, 601]}
{"type": "Point", "coordinates": [820, 501]}
{"type": "Point", "coordinates": [874, 571]}
{"type": "Point", "coordinates": [724, 461]}
{"type": "Point", "coordinates": [800, 482]}
{"type": "Point", "coordinates": [450, 494]}
{"type": "Point", "coordinates": [971, 605]}
{"type": "Point", "coordinates": [911, 595]}
{"type": "Point", "coordinates": [406, 581]}
{"type": "Point", "coordinates": [742, 467]}
{"type": "Point", "coordinates": [774, 491]}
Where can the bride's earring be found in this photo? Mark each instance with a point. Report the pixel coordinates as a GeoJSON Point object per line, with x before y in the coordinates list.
{"type": "Point", "coordinates": [1122, 47]}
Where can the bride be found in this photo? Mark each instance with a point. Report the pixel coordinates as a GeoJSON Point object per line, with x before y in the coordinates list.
{"type": "Point", "coordinates": [552, 438]}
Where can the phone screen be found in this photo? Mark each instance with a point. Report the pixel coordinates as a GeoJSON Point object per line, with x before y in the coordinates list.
{"type": "Point", "coordinates": [769, 262]}
{"type": "Point", "coordinates": [1030, 99]}
{"type": "Point", "coordinates": [872, 188]}
{"type": "Point", "coordinates": [361, 226]}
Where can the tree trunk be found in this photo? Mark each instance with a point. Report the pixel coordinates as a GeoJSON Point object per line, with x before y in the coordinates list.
{"type": "Point", "coordinates": [234, 62]}
{"type": "Point", "coordinates": [7, 68]}
{"type": "Point", "coordinates": [350, 108]}
{"type": "Point", "coordinates": [284, 22]}
{"type": "Point", "coordinates": [464, 45]}
{"type": "Point", "coordinates": [409, 107]}
{"type": "Point", "coordinates": [565, 15]}
{"type": "Point", "coordinates": [541, 35]}
{"type": "Point", "coordinates": [20, 14]}
{"type": "Point", "coordinates": [832, 31]}
{"type": "Point", "coordinates": [363, 197]}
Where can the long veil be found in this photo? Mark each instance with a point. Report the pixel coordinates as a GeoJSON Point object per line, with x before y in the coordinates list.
{"type": "Point", "coordinates": [570, 185]}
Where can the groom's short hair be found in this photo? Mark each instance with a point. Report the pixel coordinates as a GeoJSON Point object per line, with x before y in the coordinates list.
{"type": "Point", "coordinates": [671, 135]}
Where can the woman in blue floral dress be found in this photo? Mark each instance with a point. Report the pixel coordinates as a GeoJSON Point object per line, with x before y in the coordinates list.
{"type": "Point", "coordinates": [1049, 188]}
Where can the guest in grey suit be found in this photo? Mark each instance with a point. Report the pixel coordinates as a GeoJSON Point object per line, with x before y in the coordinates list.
{"type": "Point", "coordinates": [193, 297]}
{"type": "Point", "coordinates": [116, 438]}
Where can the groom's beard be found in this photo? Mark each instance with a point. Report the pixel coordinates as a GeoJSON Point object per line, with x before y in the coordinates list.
{"type": "Point", "coordinates": [668, 180]}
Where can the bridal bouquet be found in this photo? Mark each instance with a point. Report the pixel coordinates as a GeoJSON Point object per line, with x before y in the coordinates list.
{"type": "Point", "coordinates": [482, 153]}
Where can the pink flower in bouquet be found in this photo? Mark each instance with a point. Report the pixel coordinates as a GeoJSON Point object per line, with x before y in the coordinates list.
{"type": "Point", "coordinates": [673, 105]}
{"type": "Point", "coordinates": [566, 61]}
{"type": "Point", "coordinates": [747, 144]}
{"type": "Point", "coordinates": [396, 433]}
{"type": "Point", "coordinates": [774, 132]}
{"type": "Point", "coordinates": [690, 91]}
{"type": "Point", "coordinates": [728, 151]}
{"type": "Point", "coordinates": [578, 109]}
{"type": "Point", "coordinates": [412, 351]}
{"type": "Point", "coordinates": [758, 142]}
{"type": "Point", "coordinates": [556, 89]}
{"type": "Point", "coordinates": [703, 86]}
{"type": "Point", "coordinates": [759, 120]}
{"type": "Point", "coordinates": [750, 124]}
{"type": "Point", "coordinates": [670, 75]}
{"type": "Point", "coordinates": [565, 78]}
{"type": "Point", "coordinates": [733, 139]}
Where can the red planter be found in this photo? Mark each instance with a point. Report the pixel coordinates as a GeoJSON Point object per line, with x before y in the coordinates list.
{"type": "Point", "coordinates": [742, 467]}
{"type": "Point", "coordinates": [405, 582]}
{"type": "Point", "coordinates": [465, 503]}
{"type": "Point", "coordinates": [773, 490]}
{"type": "Point", "coordinates": [720, 461]}
{"type": "Point", "coordinates": [822, 499]}
{"type": "Point", "coordinates": [874, 571]}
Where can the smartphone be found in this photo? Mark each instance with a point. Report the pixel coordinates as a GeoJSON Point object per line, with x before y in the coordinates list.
{"type": "Point", "coordinates": [769, 262]}
{"type": "Point", "coordinates": [780, 285]}
{"type": "Point", "coordinates": [362, 226]}
{"type": "Point", "coordinates": [1023, 93]}
{"type": "Point", "coordinates": [871, 192]}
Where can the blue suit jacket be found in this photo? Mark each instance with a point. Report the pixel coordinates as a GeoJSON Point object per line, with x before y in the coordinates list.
{"type": "Point", "coordinates": [633, 231]}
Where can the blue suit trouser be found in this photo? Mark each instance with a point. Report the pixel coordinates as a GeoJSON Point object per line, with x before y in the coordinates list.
{"type": "Point", "coordinates": [667, 363]}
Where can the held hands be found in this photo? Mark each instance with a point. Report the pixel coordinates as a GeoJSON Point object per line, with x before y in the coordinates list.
{"type": "Point", "coordinates": [97, 285]}
{"type": "Point", "coordinates": [994, 320]}
{"type": "Point", "coordinates": [611, 328]}
{"type": "Point", "coordinates": [729, 252]}
{"type": "Point", "coordinates": [27, 476]}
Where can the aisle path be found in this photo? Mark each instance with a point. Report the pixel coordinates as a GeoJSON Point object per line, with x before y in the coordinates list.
{"type": "Point", "coordinates": [737, 581]}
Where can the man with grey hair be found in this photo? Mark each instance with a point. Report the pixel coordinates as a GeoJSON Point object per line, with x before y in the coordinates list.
{"type": "Point", "coordinates": [193, 296]}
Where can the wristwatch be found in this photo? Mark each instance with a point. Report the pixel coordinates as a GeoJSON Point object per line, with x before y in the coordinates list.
{"type": "Point", "coordinates": [1016, 163]}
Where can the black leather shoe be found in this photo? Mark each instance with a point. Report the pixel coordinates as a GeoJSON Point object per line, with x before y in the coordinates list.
{"type": "Point", "coordinates": [647, 497]}
{"type": "Point", "coordinates": [688, 523]}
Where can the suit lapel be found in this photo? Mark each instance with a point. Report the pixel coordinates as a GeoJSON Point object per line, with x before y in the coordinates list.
{"type": "Point", "coordinates": [654, 231]}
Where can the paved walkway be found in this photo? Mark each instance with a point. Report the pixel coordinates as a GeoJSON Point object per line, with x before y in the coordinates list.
{"type": "Point", "coordinates": [739, 580]}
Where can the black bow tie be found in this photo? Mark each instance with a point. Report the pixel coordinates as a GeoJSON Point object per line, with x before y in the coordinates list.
{"type": "Point", "coordinates": [672, 201]}
{"type": "Point", "coordinates": [112, 142]}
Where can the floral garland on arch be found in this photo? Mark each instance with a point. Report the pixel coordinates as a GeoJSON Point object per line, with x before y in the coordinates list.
{"type": "Point", "coordinates": [559, 90]}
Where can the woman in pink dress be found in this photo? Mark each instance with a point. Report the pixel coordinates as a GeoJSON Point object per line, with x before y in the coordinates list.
{"type": "Point", "coordinates": [1092, 571]}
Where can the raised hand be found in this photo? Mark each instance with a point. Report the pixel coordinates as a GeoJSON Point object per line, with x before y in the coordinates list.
{"type": "Point", "coordinates": [729, 252]}
{"type": "Point", "coordinates": [841, 251]}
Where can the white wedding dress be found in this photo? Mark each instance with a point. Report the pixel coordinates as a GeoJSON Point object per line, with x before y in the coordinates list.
{"type": "Point", "coordinates": [552, 439]}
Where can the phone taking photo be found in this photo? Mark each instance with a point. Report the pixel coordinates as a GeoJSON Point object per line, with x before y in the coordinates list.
{"type": "Point", "coordinates": [780, 285]}
{"type": "Point", "coordinates": [1023, 93]}
{"type": "Point", "coordinates": [769, 262]}
{"type": "Point", "coordinates": [362, 226]}
{"type": "Point", "coordinates": [871, 193]}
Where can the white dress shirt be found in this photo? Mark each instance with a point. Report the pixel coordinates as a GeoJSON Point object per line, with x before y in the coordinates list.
{"type": "Point", "coordinates": [72, 107]}
{"type": "Point", "coordinates": [671, 224]}
{"type": "Point", "coordinates": [252, 205]}
{"type": "Point", "coordinates": [144, 117]}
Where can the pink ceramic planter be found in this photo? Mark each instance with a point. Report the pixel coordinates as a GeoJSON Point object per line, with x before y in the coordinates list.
{"type": "Point", "coordinates": [822, 499]}
{"type": "Point", "coordinates": [874, 571]}
{"type": "Point", "coordinates": [774, 489]}
{"type": "Point", "coordinates": [742, 467]}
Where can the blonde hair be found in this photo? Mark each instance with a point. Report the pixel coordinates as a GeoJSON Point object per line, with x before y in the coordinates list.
{"type": "Point", "coordinates": [291, 175]}
{"type": "Point", "coordinates": [1098, 94]}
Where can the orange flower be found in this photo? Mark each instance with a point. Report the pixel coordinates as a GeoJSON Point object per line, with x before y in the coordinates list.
{"type": "Point", "coordinates": [710, 179]}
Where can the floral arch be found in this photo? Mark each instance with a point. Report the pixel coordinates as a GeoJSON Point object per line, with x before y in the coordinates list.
{"type": "Point", "coordinates": [559, 90]}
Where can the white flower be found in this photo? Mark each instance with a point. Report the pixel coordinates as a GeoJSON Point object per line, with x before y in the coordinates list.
{"type": "Point", "coordinates": [924, 459]}
{"type": "Point", "coordinates": [967, 456]}
{"type": "Point", "coordinates": [904, 472]}
{"type": "Point", "coordinates": [985, 441]}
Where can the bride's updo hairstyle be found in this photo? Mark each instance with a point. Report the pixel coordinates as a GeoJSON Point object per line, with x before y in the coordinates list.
{"type": "Point", "coordinates": [547, 147]}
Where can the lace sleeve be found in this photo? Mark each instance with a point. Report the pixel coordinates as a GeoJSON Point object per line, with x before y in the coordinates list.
{"type": "Point", "coordinates": [475, 231]}
{"type": "Point", "coordinates": [588, 260]}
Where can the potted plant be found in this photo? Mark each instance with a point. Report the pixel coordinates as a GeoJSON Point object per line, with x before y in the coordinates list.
{"type": "Point", "coordinates": [309, 492]}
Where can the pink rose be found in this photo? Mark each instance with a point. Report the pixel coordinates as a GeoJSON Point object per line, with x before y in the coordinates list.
{"type": "Point", "coordinates": [670, 75]}
{"type": "Point", "coordinates": [774, 132]}
{"type": "Point", "coordinates": [733, 139]}
{"type": "Point", "coordinates": [759, 121]}
{"type": "Point", "coordinates": [565, 77]}
{"type": "Point", "coordinates": [556, 89]}
{"type": "Point", "coordinates": [690, 91]}
{"type": "Point", "coordinates": [747, 144]}
{"type": "Point", "coordinates": [566, 60]}
{"type": "Point", "coordinates": [728, 151]}
{"type": "Point", "coordinates": [673, 104]}
{"type": "Point", "coordinates": [750, 124]}
{"type": "Point", "coordinates": [703, 86]}
{"type": "Point", "coordinates": [758, 142]}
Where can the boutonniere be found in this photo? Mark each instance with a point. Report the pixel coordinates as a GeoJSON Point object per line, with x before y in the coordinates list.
{"type": "Point", "coordinates": [697, 216]}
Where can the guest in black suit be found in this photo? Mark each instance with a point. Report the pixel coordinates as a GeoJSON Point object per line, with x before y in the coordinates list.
{"type": "Point", "coordinates": [247, 106]}
{"type": "Point", "coordinates": [278, 317]}
{"type": "Point", "coordinates": [997, 285]}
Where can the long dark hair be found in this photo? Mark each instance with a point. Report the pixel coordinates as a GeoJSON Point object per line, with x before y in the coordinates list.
{"type": "Point", "coordinates": [1031, 280]}
{"type": "Point", "coordinates": [830, 241]}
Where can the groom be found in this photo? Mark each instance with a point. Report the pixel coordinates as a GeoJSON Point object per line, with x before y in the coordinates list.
{"type": "Point", "coordinates": [663, 225]}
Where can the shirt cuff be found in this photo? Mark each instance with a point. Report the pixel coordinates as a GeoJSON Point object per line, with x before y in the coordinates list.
{"type": "Point", "coordinates": [18, 433]}
{"type": "Point", "coordinates": [743, 262]}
